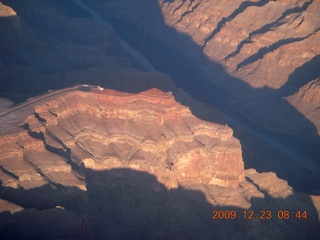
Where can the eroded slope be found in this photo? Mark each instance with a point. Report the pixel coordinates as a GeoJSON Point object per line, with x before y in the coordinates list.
{"type": "Point", "coordinates": [106, 164]}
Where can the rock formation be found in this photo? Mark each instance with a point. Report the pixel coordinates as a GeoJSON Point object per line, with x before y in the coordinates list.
{"type": "Point", "coordinates": [248, 50]}
{"type": "Point", "coordinates": [129, 130]}
{"type": "Point", "coordinates": [86, 163]}
{"type": "Point", "coordinates": [108, 164]}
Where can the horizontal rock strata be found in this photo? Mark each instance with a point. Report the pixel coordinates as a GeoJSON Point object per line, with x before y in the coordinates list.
{"type": "Point", "coordinates": [147, 131]}
{"type": "Point", "coordinates": [246, 49]}
{"type": "Point", "coordinates": [102, 164]}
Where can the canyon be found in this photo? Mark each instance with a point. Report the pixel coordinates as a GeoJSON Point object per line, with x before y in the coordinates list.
{"type": "Point", "coordinates": [252, 69]}
{"type": "Point", "coordinates": [218, 115]}
{"type": "Point", "coordinates": [86, 157]}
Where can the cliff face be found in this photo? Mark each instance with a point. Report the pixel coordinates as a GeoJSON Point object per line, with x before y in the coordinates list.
{"type": "Point", "coordinates": [249, 50]}
{"type": "Point", "coordinates": [95, 164]}
{"type": "Point", "coordinates": [147, 131]}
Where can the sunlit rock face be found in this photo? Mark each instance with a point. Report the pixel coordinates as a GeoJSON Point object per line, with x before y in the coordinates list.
{"type": "Point", "coordinates": [148, 131]}
{"type": "Point", "coordinates": [259, 37]}
{"type": "Point", "coordinates": [103, 164]}
{"type": "Point", "coordinates": [249, 50]}
{"type": "Point", "coordinates": [6, 11]}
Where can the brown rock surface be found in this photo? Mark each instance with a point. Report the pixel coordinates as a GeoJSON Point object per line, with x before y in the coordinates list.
{"type": "Point", "coordinates": [245, 49]}
{"type": "Point", "coordinates": [6, 11]}
{"type": "Point", "coordinates": [150, 126]}
{"type": "Point", "coordinates": [110, 165]}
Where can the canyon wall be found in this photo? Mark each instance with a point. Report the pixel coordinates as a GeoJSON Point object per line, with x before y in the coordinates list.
{"type": "Point", "coordinates": [255, 54]}
{"type": "Point", "coordinates": [147, 131]}
{"type": "Point", "coordinates": [81, 163]}
{"type": "Point", "coordinates": [97, 164]}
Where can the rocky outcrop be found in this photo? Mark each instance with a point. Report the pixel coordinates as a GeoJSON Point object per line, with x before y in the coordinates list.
{"type": "Point", "coordinates": [148, 131]}
{"type": "Point", "coordinates": [242, 49]}
{"type": "Point", "coordinates": [98, 164]}
{"type": "Point", "coordinates": [6, 11]}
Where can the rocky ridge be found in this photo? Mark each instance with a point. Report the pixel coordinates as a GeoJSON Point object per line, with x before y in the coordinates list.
{"type": "Point", "coordinates": [127, 121]}
{"type": "Point", "coordinates": [92, 156]}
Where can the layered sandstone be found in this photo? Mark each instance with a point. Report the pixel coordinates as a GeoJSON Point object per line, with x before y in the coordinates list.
{"type": "Point", "coordinates": [103, 164]}
{"type": "Point", "coordinates": [148, 131]}
{"type": "Point", "coordinates": [246, 49]}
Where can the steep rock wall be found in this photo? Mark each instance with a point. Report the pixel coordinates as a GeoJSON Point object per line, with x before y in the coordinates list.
{"type": "Point", "coordinates": [248, 50]}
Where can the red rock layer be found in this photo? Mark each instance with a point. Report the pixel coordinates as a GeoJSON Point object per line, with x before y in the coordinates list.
{"type": "Point", "coordinates": [260, 43]}
{"type": "Point", "coordinates": [148, 131]}
{"type": "Point", "coordinates": [114, 157]}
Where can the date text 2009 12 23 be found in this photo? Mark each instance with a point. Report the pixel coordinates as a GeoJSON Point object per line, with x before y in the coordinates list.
{"type": "Point", "coordinates": [262, 214]}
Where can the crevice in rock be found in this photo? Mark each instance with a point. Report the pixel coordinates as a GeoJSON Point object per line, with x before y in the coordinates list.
{"type": "Point", "coordinates": [299, 24]}
{"type": "Point", "coordinates": [243, 6]}
{"type": "Point", "coordinates": [189, 11]}
{"type": "Point", "coordinates": [63, 152]}
{"type": "Point", "coordinates": [40, 118]}
{"type": "Point", "coordinates": [177, 8]}
{"type": "Point", "coordinates": [9, 173]}
{"type": "Point", "coordinates": [271, 26]}
{"type": "Point", "coordinates": [257, 186]}
{"type": "Point", "coordinates": [202, 144]}
{"type": "Point", "coordinates": [68, 158]}
{"type": "Point", "coordinates": [37, 135]}
{"type": "Point", "coordinates": [265, 50]}
{"type": "Point", "coordinates": [54, 114]}
{"type": "Point", "coordinates": [38, 170]}
{"type": "Point", "coordinates": [86, 151]}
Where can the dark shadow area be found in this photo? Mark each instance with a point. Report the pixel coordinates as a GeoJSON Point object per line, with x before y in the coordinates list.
{"type": "Point", "coordinates": [301, 76]}
{"type": "Point", "coordinates": [45, 41]}
{"type": "Point", "coordinates": [50, 212]}
{"type": "Point", "coordinates": [68, 9]}
{"type": "Point", "coordinates": [271, 160]}
{"type": "Point", "coordinates": [129, 204]}
{"type": "Point", "coordinates": [46, 197]}
{"type": "Point", "coordinates": [13, 83]}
